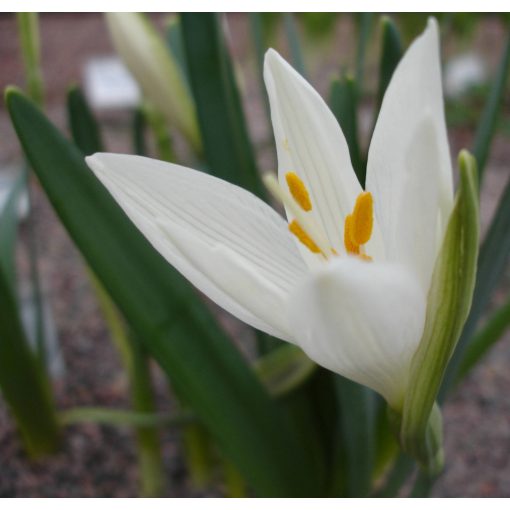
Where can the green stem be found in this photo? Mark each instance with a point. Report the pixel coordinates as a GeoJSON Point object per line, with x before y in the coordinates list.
{"type": "Point", "coordinates": [28, 28]}
{"type": "Point", "coordinates": [121, 417]}
{"type": "Point", "coordinates": [136, 365]}
{"type": "Point", "coordinates": [157, 124]}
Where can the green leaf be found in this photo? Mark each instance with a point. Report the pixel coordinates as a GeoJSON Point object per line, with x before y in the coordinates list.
{"type": "Point", "coordinates": [449, 301]}
{"type": "Point", "coordinates": [391, 54]}
{"type": "Point", "coordinates": [343, 102]}
{"type": "Point", "coordinates": [487, 124]}
{"type": "Point", "coordinates": [257, 35]}
{"type": "Point", "coordinates": [357, 436]}
{"type": "Point", "coordinates": [165, 313]}
{"type": "Point", "coordinates": [492, 262]}
{"type": "Point", "coordinates": [9, 228]}
{"type": "Point", "coordinates": [138, 126]}
{"type": "Point", "coordinates": [291, 32]}
{"type": "Point", "coordinates": [22, 382]}
{"type": "Point", "coordinates": [174, 41]}
{"type": "Point", "coordinates": [490, 333]}
{"type": "Point", "coordinates": [284, 369]}
{"type": "Point", "coordinates": [364, 20]}
{"type": "Point", "coordinates": [83, 126]}
{"type": "Point", "coordinates": [227, 147]}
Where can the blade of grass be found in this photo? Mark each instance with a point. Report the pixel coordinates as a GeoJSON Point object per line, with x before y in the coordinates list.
{"type": "Point", "coordinates": [364, 30]}
{"type": "Point", "coordinates": [23, 384]}
{"type": "Point", "coordinates": [343, 102]}
{"type": "Point", "coordinates": [176, 328]}
{"type": "Point", "coordinates": [357, 436]}
{"type": "Point", "coordinates": [291, 32]}
{"type": "Point", "coordinates": [484, 339]}
{"type": "Point", "coordinates": [227, 147]}
{"type": "Point", "coordinates": [488, 121]}
{"type": "Point", "coordinates": [391, 53]}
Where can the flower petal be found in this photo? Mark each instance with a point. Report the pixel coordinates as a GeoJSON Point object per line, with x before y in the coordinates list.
{"type": "Point", "coordinates": [309, 142]}
{"type": "Point", "coordinates": [362, 320]}
{"type": "Point", "coordinates": [226, 241]}
{"type": "Point", "coordinates": [409, 170]}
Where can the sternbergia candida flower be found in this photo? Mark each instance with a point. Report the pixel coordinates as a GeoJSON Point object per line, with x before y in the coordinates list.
{"type": "Point", "coordinates": [373, 284]}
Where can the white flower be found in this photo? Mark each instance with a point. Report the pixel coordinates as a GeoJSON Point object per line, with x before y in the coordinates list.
{"type": "Point", "coordinates": [353, 300]}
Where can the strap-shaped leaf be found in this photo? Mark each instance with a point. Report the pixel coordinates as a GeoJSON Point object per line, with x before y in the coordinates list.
{"type": "Point", "coordinates": [391, 53]}
{"type": "Point", "coordinates": [83, 125]}
{"type": "Point", "coordinates": [292, 34]}
{"type": "Point", "coordinates": [227, 147]}
{"type": "Point", "coordinates": [22, 382]}
{"type": "Point", "coordinates": [449, 301]}
{"type": "Point", "coordinates": [167, 316]}
{"type": "Point", "coordinates": [491, 112]}
{"type": "Point", "coordinates": [344, 102]}
{"type": "Point", "coordinates": [490, 333]}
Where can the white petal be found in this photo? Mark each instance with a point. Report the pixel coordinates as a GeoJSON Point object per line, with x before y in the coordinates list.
{"type": "Point", "coordinates": [227, 242]}
{"type": "Point", "coordinates": [409, 169]}
{"type": "Point", "coordinates": [309, 141]}
{"type": "Point", "coordinates": [362, 320]}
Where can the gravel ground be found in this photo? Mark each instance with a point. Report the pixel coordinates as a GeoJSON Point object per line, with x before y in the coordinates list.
{"type": "Point", "coordinates": [101, 461]}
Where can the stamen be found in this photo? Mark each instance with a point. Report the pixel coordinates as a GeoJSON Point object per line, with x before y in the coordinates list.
{"type": "Point", "coordinates": [296, 229]}
{"type": "Point", "coordinates": [362, 219]}
{"type": "Point", "coordinates": [298, 191]}
{"type": "Point", "coordinates": [305, 222]}
{"type": "Point", "coordinates": [350, 247]}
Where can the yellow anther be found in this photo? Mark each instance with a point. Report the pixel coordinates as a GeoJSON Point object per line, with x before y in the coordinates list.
{"type": "Point", "coordinates": [298, 231]}
{"type": "Point", "coordinates": [298, 191]}
{"type": "Point", "coordinates": [350, 247]}
{"type": "Point", "coordinates": [362, 219]}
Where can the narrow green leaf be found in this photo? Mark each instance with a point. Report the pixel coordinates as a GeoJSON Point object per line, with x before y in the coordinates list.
{"type": "Point", "coordinates": [284, 369]}
{"type": "Point", "coordinates": [357, 436]}
{"type": "Point", "coordinates": [449, 301]}
{"type": "Point", "coordinates": [364, 30]}
{"type": "Point", "coordinates": [391, 53]}
{"type": "Point", "coordinates": [257, 35]}
{"type": "Point", "coordinates": [490, 333]}
{"type": "Point", "coordinates": [164, 312]}
{"type": "Point", "coordinates": [22, 382]}
{"type": "Point", "coordinates": [492, 262]}
{"type": "Point", "coordinates": [87, 137]}
{"type": "Point", "coordinates": [343, 102]}
{"type": "Point", "coordinates": [139, 124]}
{"type": "Point", "coordinates": [84, 128]}
{"type": "Point", "coordinates": [227, 147]}
{"type": "Point", "coordinates": [487, 124]}
{"type": "Point", "coordinates": [174, 41]}
{"type": "Point", "coordinates": [9, 228]}
{"type": "Point", "coordinates": [291, 32]}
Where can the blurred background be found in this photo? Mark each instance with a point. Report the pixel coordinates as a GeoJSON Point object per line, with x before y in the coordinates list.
{"type": "Point", "coordinates": [100, 460]}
